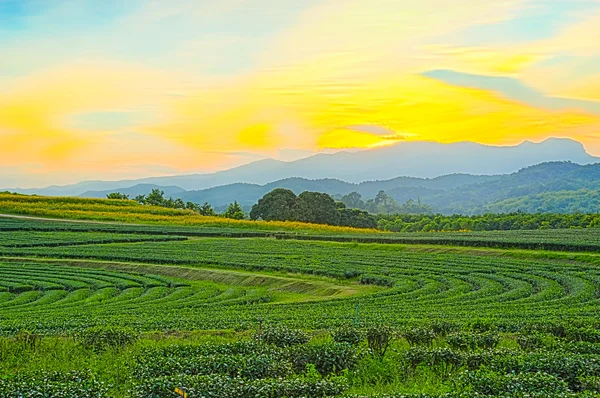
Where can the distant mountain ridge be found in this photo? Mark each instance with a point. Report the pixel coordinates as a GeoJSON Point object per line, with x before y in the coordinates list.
{"type": "Point", "coordinates": [535, 188]}
{"type": "Point", "coordinates": [417, 159]}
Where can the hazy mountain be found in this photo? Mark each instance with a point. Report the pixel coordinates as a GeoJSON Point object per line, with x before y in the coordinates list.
{"type": "Point", "coordinates": [248, 194]}
{"type": "Point", "coordinates": [415, 159]}
{"type": "Point", "coordinates": [545, 187]}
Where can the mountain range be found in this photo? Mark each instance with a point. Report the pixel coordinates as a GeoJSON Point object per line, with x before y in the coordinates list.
{"type": "Point", "coordinates": [421, 159]}
{"type": "Point", "coordinates": [452, 178]}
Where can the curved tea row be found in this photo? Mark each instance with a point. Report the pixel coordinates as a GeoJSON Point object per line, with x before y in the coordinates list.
{"type": "Point", "coordinates": [422, 285]}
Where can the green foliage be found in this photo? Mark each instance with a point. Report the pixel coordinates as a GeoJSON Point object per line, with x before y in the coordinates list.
{"type": "Point", "coordinates": [379, 339]}
{"type": "Point", "coordinates": [282, 336]}
{"type": "Point", "coordinates": [419, 336]}
{"type": "Point", "coordinates": [517, 221]}
{"type": "Point", "coordinates": [310, 207]}
{"type": "Point", "coordinates": [531, 342]}
{"type": "Point", "coordinates": [100, 338]}
{"type": "Point", "coordinates": [29, 340]}
{"type": "Point", "coordinates": [234, 211]}
{"type": "Point", "coordinates": [537, 384]}
{"type": "Point", "coordinates": [226, 387]}
{"type": "Point", "coordinates": [473, 341]}
{"type": "Point", "coordinates": [117, 195]}
{"type": "Point", "coordinates": [347, 334]}
{"type": "Point", "coordinates": [327, 358]}
{"type": "Point", "coordinates": [277, 205]}
{"type": "Point", "coordinates": [587, 334]}
{"type": "Point", "coordinates": [241, 359]}
{"type": "Point", "coordinates": [53, 384]}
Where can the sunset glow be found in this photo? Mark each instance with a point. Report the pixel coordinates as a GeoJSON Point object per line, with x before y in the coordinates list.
{"type": "Point", "coordinates": [113, 90]}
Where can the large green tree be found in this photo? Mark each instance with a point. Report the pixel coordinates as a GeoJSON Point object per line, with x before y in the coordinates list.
{"type": "Point", "coordinates": [353, 200]}
{"type": "Point", "coordinates": [277, 205]}
{"type": "Point", "coordinates": [318, 208]}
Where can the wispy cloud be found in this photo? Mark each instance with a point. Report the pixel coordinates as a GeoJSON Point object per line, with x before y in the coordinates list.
{"type": "Point", "coordinates": [103, 87]}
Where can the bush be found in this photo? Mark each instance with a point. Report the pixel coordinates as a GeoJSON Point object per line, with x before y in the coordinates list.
{"type": "Point", "coordinates": [472, 341]}
{"type": "Point", "coordinates": [101, 338]}
{"type": "Point", "coordinates": [590, 335]}
{"type": "Point", "coordinates": [254, 366]}
{"type": "Point", "coordinates": [328, 358]}
{"type": "Point", "coordinates": [419, 336]}
{"type": "Point", "coordinates": [226, 387]}
{"type": "Point", "coordinates": [379, 339]}
{"type": "Point", "coordinates": [282, 337]}
{"type": "Point", "coordinates": [530, 342]}
{"type": "Point", "coordinates": [377, 280]}
{"type": "Point", "coordinates": [442, 328]}
{"type": "Point", "coordinates": [53, 384]}
{"type": "Point", "coordinates": [440, 360]}
{"type": "Point", "coordinates": [514, 385]}
{"type": "Point", "coordinates": [348, 335]}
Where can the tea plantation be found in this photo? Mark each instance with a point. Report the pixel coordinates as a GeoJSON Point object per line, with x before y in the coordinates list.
{"type": "Point", "coordinates": [122, 310]}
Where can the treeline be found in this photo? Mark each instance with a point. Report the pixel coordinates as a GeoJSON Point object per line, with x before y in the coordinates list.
{"type": "Point", "coordinates": [320, 208]}
{"type": "Point", "coordinates": [486, 222]}
{"type": "Point", "coordinates": [157, 198]}
{"type": "Point", "coordinates": [383, 203]}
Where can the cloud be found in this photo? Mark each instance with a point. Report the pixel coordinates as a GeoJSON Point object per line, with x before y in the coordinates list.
{"type": "Point", "coordinates": [201, 85]}
{"type": "Point", "coordinates": [513, 89]}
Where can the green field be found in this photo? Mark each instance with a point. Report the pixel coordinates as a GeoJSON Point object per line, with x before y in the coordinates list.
{"type": "Point", "coordinates": [119, 310]}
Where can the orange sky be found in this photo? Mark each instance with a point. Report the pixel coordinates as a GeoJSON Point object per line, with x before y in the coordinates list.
{"type": "Point", "coordinates": [152, 89]}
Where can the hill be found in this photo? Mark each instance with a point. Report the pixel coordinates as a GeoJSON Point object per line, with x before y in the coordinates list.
{"type": "Point", "coordinates": [532, 189]}
{"type": "Point", "coordinates": [415, 159]}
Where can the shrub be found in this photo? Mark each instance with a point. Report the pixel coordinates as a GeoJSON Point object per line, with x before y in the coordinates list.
{"type": "Point", "coordinates": [510, 385]}
{"type": "Point", "coordinates": [530, 342]}
{"type": "Point", "coordinates": [328, 358]}
{"type": "Point", "coordinates": [226, 387]}
{"type": "Point", "coordinates": [472, 341]}
{"type": "Point", "coordinates": [348, 335]}
{"type": "Point", "coordinates": [442, 328]}
{"type": "Point", "coordinates": [379, 339]}
{"type": "Point", "coordinates": [53, 384]}
{"type": "Point", "coordinates": [590, 335]}
{"type": "Point", "coordinates": [101, 337]}
{"type": "Point", "coordinates": [282, 337]}
{"type": "Point", "coordinates": [419, 336]}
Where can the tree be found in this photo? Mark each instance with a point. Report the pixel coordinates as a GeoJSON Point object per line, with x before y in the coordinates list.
{"type": "Point", "coordinates": [234, 211]}
{"type": "Point", "coordinates": [178, 203]}
{"type": "Point", "coordinates": [156, 198]}
{"type": "Point", "coordinates": [318, 208]}
{"type": "Point", "coordinates": [353, 200]}
{"type": "Point", "coordinates": [141, 199]}
{"type": "Point", "coordinates": [277, 205]}
{"type": "Point", "coordinates": [117, 195]}
{"type": "Point", "coordinates": [382, 198]}
{"type": "Point", "coordinates": [206, 210]}
{"type": "Point", "coordinates": [357, 218]}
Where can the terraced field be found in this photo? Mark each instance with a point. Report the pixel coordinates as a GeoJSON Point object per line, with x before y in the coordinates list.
{"type": "Point", "coordinates": [480, 314]}
{"type": "Point", "coordinates": [232, 283]}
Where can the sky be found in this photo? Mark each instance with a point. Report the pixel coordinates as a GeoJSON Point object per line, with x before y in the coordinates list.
{"type": "Point", "coordinates": [116, 89]}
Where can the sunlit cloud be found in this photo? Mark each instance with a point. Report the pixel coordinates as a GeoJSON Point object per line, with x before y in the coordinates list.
{"type": "Point", "coordinates": [152, 88]}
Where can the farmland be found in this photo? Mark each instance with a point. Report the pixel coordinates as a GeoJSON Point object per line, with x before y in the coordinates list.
{"type": "Point", "coordinates": [116, 310]}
